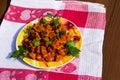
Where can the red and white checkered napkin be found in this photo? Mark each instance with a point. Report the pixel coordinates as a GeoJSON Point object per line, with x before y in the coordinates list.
{"type": "Point", "coordinates": [89, 17]}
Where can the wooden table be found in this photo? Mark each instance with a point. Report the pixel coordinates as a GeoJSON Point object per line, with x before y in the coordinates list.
{"type": "Point", "coordinates": [111, 47]}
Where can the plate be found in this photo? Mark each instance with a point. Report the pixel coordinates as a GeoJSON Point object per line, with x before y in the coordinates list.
{"type": "Point", "coordinates": [73, 31]}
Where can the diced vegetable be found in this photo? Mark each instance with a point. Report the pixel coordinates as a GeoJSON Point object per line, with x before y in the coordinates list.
{"type": "Point", "coordinates": [76, 38]}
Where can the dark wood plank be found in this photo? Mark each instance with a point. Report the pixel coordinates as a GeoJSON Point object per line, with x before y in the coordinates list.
{"type": "Point", "coordinates": [3, 8]}
{"type": "Point", "coordinates": [112, 43]}
{"type": "Point", "coordinates": [111, 47]}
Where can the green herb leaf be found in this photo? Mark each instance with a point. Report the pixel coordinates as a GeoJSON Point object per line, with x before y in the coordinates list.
{"type": "Point", "coordinates": [27, 30]}
{"type": "Point", "coordinates": [71, 43]}
{"type": "Point", "coordinates": [63, 32]}
{"type": "Point", "coordinates": [43, 32]}
{"type": "Point", "coordinates": [48, 41]}
{"type": "Point", "coordinates": [45, 21]}
{"type": "Point", "coordinates": [72, 50]}
{"type": "Point", "coordinates": [16, 54]}
{"type": "Point", "coordinates": [53, 27]}
{"type": "Point", "coordinates": [56, 20]}
{"type": "Point", "coordinates": [36, 42]}
{"type": "Point", "coordinates": [49, 15]}
{"type": "Point", "coordinates": [58, 34]}
{"type": "Point", "coordinates": [22, 49]}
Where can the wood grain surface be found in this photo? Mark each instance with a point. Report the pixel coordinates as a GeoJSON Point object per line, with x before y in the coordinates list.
{"type": "Point", "coordinates": [111, 45]}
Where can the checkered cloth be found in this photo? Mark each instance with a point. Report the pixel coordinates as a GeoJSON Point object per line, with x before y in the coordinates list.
{"type": "Point", "coordinates": [89, 17]}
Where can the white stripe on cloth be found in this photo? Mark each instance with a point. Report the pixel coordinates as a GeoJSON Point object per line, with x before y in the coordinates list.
{"type": "Point", "coordinates": [92, 7]}
{"type": "Point", "coordinates": [91, 52]}
{"type": "Point", "coordinates": [49, 4]}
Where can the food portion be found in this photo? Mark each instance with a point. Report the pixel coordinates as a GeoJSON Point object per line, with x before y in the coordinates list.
{"type": "Point", "coordinates": [48, 40]}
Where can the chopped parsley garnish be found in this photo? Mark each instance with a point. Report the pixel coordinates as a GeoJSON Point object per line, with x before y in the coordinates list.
{"type": "Point", "coordinates": [49, 15]}
{"type": "Point", "coordinates": [43, 32]}
{"type": "Point", "coordinates": [45, 21]}
{"type": "Point", "coordinates": [28, 30]}
{"type": "Point", "coordinates": [56, 20]}
{"type": "Point", "coordinates": [58, 34]}
{"type": "Point", "coordinates": [63, 32]}
{"type": "Point", "coordinates": [53, 27]}
{"type": "Point", "coordinates": [47, 41]}
{"type": "Point", "coordinates": [36, 42]}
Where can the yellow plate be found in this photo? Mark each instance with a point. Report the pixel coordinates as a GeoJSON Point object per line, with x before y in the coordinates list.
{"type": "Point", "coordinates": [40, 64]}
